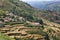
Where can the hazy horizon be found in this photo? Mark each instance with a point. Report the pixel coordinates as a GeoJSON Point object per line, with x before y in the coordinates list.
{"type": "Point", "coordinates": [38, 0]}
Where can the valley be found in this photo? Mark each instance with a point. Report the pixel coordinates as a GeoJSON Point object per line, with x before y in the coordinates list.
{"type": "Point", "coordinates": [21, 21]}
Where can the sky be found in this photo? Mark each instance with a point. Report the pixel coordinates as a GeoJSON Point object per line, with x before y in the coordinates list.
{"type": "Point", "coordinates": [40, 0]}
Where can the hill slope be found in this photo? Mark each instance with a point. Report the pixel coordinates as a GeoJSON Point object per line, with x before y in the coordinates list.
{"type": "Point", "coordinates": [19, 8]}
{"type": "Point", "coordinates": [25, 10]}
{"type": "Point", "coordinates": [17, 19]}
{"type": "Point", "coordinates": [45, 5]}
{"type": "Point", "coordinates": [4, 37]}
{"type": "Point", "coordinates": [51, 8]}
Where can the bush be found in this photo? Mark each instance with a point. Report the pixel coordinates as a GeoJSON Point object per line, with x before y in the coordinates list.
{"type": "Point", "coordinates": [2, 13]}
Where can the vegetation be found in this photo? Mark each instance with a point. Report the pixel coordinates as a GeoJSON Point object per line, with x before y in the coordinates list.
{"type": "Point", "coordinates": [37, 32]}
{"type": "Point", "coordinates": [25, 12]}
{"type": "Point", "coordinates": [24, 38]}
{"type": "Point", "coordinates": [2, 13]}
{"type": "Point", "coordinates": [20, 9]}
{"type": "Point", "coordinates": [40, 32]}
{"type": "Point", "coordinates": [4, 37]}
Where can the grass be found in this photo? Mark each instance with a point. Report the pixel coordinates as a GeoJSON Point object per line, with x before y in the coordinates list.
{"type": "Point", "coordinates": [4, 37]}
{"type": "Point", "coordinates": [37, 32]}
{"type": "Point", "coordinates": [12, 23]}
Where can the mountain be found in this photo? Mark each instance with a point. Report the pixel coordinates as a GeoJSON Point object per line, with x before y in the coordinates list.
{"type": "Point", "coordinates": [18, 8]}
{"type": "Point", "coordinates": [23, 9]}
{"type": "Point", "coordinates": [38, 4]}
{"type": "Point", "coordinates": [51, 8]}
{"type": "Point", "coordinates": [54, 6]}
{"type": "Point", "coordinates": [21, 21]}
{"type": "Point", "coordinates": [45, 5]}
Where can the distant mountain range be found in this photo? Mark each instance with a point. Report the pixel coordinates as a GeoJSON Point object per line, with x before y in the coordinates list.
{"type": "Point", "coordinates": [28, 12]}
{"type": "Point", "coordinates": [51, 8]}
{"type": "Point", "coordinates": [18, 20]}
{"type": "Point", "coordinates": [45, 5]}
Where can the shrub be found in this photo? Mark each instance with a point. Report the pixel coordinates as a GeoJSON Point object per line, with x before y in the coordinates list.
{"type": "Point", "coordinates": [2, 13]}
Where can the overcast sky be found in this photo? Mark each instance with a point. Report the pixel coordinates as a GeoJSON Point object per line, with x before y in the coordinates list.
{"type": "Point", "coordinates": [40, 0]}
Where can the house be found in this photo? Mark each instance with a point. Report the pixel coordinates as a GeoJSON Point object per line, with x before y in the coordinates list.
{"type": "Point", "coordinates": [10, 14]}
{"type": "Point", "coordinates": [21, 19]}
{"type": "Point", "coordinates": [15, 16]}
{"type": "Point", "coordinates": [7, 19]}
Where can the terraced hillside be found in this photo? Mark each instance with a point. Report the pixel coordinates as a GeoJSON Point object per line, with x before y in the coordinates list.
{"type": "Point", "coordinates": [53, 30]}
{"type": "Point", "coordinates": [20, 31]}
{"type": "Point", "coordinates": [51, 8]}
{"type": "Point", "coordinates": [5, 37]}
{"type": "Point", "coordinates": [20, 21]}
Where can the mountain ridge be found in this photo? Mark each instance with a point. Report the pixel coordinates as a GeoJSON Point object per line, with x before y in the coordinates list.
{"type": "Point", "coordinates": [43, 4]}
{"type": "Point", "coordinates": [21, 21]}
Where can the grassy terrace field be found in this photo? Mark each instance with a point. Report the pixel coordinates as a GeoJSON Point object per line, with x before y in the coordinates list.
{"type": "Point", "coordinates": [4, 37]}
{"type": "Point", "coordinates": [20, 21]}
{"type": "Point", "coordinates": [20, 31]}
